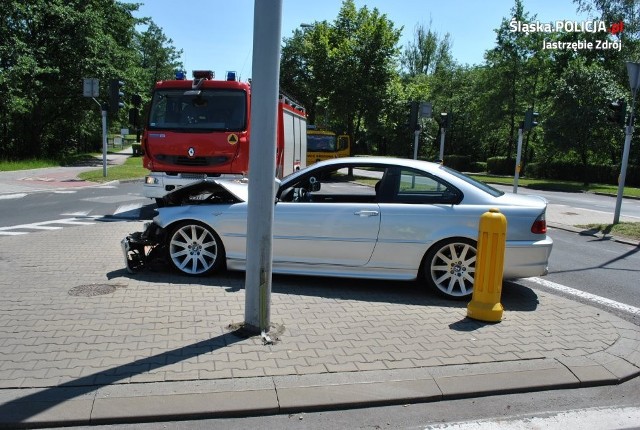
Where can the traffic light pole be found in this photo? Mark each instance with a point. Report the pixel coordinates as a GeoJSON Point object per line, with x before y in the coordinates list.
{"type": "Point", "coordinates": [623, 169]}
{"type": "Point", "coordinates": [633, 70]}
{"type": "Point", "coordinates": [104, 141]}
{"type": "Point", "coordinates": [443, 132]}
{"type": "Point", "coordinates": [516, 175]}
{"type": "Point", "coordinates": [416, 137]}
{"type": "Point", "coordinates": [104, 109]}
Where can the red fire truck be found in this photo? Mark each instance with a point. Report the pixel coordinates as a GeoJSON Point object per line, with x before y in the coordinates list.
{"type": "Point", "coordinates": [200, 128]}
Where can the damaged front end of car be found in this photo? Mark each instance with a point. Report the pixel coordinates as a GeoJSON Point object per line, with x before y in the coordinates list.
{"type": "Point", "coordinates": [149, 247]}
{"type": "Point", "coordinates": [144, 248]}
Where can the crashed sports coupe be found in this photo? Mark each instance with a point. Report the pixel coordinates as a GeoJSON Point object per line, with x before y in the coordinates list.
{"type": "Point", "coordinates": [361, 217]}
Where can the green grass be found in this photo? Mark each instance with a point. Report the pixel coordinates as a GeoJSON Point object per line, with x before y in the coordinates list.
{"type": "Point", "coordinates": [553, 185]}
{"type": "Point", "coordinates": [624, 229]}
{"type": "Point", "coordinates": [38, 163]}
{"type": "Point", "coordinates": [131, 169]}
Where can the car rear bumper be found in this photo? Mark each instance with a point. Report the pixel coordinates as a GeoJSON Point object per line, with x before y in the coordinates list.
{"type": "Point", "coordinates": [524, 259]}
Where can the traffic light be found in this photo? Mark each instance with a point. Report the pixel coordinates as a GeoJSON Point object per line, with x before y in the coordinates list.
{"type": "Point", "coordinates": [136, 101]}
{"type": "Point", "coordinates": [413, 116]}
{"type": "Point", "coordinates": [445, 119]}
{"type": "Point", "coordinates": [116, 96]}
{"type": "Point", "coordinates": [619, 112]}
{"type": "Point", "coordinates": [530, 119]}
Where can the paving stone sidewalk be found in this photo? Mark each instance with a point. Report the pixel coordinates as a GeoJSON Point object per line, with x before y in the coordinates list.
{"type": "Point", "coordinates": [83, 341]}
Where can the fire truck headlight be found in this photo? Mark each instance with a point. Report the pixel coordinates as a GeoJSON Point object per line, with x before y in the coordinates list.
{"type": "Point", "coordinates": [150, 180]}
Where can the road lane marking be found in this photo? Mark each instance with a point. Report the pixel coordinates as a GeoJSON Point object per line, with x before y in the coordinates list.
{"type": "Point", "coordinates": [584, 419]}
{"type": "Point", "coordinates": [127, 208]}
{"type": "Point", "coordinates": [46, 225]}
{"type": "Point", "coordinates": [587, 296]}
{"type": "Point", "coordinates": [13, 196]}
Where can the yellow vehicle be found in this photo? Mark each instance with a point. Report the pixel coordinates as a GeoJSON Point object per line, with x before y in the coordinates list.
{"type": "Point", "coordinates": [323, 145]}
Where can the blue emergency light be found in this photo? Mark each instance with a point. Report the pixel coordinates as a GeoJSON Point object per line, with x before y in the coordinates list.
{"type": "Point", "coordinates": [231, 76]}
{"type": "Point", "coordinates": [180, 75]}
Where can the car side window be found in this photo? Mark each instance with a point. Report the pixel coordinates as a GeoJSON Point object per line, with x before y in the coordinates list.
{"type": "Point", "coordinates": [419, 187]}
{"type": "Point", "coordinates": [338, 184]}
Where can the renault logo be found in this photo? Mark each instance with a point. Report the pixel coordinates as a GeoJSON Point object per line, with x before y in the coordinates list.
{"type": "Point", "coordinates": [191, 152]}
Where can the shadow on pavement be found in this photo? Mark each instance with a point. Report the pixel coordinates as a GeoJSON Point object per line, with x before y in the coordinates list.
{"type": "Point", "coordinates": [23, 408]}
{"type": "Point", "coordinates": [515, 297]}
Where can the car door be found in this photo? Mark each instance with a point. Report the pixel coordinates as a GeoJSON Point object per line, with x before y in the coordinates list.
{"type": "Point", "coordinates": [336, 225]}
{"type": "Point", "coordinates": [416, 210]}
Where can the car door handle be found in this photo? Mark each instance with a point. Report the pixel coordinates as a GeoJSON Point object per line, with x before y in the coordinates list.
{"type": "Point", "coordinates": [367, 213]}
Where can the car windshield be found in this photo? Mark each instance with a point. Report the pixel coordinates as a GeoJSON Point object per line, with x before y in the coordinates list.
{"type": "Point", "coordinates": [206, 110]}
{"type": "Point", "coordinates": [478, 184]}
{"type": "Point", "coordinates": [321, 143]}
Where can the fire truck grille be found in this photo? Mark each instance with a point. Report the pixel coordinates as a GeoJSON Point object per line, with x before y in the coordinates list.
{"type": "Point", "coordinates": [199, 161]}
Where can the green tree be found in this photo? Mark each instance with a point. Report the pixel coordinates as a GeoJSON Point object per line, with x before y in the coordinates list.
{"type": "Point", "coordinates": [55, 44]}
{"type": "Point", "coordinates": [514, 70]}
{"type": "Point", "coordinates": [157, 58]}
{"type": "Point", "coordinates": [581, 96]}
{"type": "Point", "coordinates": [426, 53]}
{"type": "Point", "coordinates": [46, 48]}
{"type": "Point", "coordinates": [343, 69]}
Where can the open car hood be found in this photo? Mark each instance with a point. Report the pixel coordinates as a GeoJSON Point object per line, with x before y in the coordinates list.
{"type": "Point", "coordinates": [208, 191]}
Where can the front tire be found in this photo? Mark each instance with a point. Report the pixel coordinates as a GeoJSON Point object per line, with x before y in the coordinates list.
{"type": "Point", "coordinates": [194, 249]}
{"type": "Point", "coordinates": [449, 268]}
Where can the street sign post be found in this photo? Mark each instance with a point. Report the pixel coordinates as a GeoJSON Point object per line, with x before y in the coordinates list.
{"type": "Point", "coordinates": [91, 88]}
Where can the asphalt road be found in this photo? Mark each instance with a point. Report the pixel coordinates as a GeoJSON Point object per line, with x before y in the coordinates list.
{"type": "Point", "coordinates": [121, 200]}
{"type": "Point", "coordinates": [629, 207]}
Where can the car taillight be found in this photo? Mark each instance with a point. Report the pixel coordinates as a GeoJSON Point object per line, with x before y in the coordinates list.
{"type": "Point", "coordinates": [539, 226]}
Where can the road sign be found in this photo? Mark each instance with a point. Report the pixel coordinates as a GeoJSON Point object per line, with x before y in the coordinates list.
{"type": "Point", "coordinates": [90, 87]}
{"type": "Point", "coordinates": [633, 70]}
{"type": "Point", "coordinates": [426, 109]}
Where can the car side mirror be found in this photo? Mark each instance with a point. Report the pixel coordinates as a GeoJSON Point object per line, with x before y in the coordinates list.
{"type": "Point", "coordinates": [450, 197]}
{"type": "Point", "coordinates": [314, 184]}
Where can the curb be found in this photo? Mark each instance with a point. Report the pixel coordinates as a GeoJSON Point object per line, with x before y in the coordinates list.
{"type": "Point", "coordinates": [573, 229]}
{"type": "Point", "coordinates": [133, 403]}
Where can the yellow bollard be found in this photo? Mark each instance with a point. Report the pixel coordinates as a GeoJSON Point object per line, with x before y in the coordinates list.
{"type": "Point", "coordinates": [487, 284]}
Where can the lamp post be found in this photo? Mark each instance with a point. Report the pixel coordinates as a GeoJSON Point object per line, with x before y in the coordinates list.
{"type": "Point", "coordinates": [262, 156]}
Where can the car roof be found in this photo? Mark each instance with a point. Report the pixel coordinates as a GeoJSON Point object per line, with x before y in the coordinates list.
{"type": "Point", "coordinates": [407, 162]}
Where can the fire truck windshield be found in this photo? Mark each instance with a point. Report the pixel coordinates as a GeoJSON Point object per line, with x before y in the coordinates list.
{"type": "Point", "coordinates": [204, 110]}
{"type": "Point", "coordinates": [321, 143]}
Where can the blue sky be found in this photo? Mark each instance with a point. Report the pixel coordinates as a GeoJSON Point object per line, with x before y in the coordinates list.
{"type": "Point", "coordinates": [217, 35]}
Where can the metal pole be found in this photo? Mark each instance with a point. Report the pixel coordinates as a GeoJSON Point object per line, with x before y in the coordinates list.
{"type": "Point", "coordinates": [416, 135]}
{"type": "Point", "coordinates": [443, 131]}
{"type": "Point", "coordinates": [262, 166]}
{"type": "Point", "coordinates": [623, 171]}
{"type": "Point", "coordinates": [518, 156]}
{"type": "Point", "coordinates": [104, 142]}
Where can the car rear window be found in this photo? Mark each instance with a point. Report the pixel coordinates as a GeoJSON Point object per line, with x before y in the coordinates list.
{"type": "Point", "coordinates": [478, 184]}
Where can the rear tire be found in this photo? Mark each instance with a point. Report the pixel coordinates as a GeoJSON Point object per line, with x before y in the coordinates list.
{"type": "Point", "coordinates": [449, 268]}
{"type": "Point", "coordinates": [194, 249]}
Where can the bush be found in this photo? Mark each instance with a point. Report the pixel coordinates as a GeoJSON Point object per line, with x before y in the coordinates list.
{"type": "Point", "coordinates": [593, 173]}
{"type": "Point", "coordinates": [461, 163]}
{"type": "Point", "coordinates": [501, 166]}
{"type": "Point", "coordinates": [136, 149]}
{"type": "Point", "coordinates": [478, 167]}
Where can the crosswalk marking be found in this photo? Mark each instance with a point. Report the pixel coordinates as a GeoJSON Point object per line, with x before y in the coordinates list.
{"type": "Point", "coordinates": [47, 225]}
{"type": "Point", "coordinates": [12, 196]}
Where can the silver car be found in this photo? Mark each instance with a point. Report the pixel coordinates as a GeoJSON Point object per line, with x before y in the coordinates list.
{"type": "Point", "coordinates": [365, 217]}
